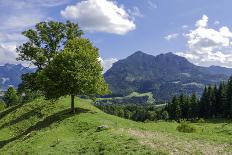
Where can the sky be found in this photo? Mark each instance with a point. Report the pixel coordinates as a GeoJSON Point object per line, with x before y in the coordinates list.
{"type": "Point", "coordinates": [199, 30]}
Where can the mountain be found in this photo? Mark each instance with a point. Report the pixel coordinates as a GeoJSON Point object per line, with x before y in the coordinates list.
{"type": "Point", "coordinates": [220, 70]}
{"type": "Point", "coordinates": [164, 75]}
{"type": "Point", "coordinates": [10, 75]}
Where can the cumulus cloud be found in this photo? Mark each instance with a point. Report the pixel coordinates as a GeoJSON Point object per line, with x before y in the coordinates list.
{"type": "Point", "coordinates": [10, 35]}
{"type": "Point", "coordinates": [16, 17]}
{"type": "Point", "coordinates": [202, 22]}
{"type": "Point", "coordinates": [208, 46]}
{"type": "Point", "coordinates": [7, 54]}
{"type": "Point", "coordinates": [100, 16]}
{"type": "Point", "coordinates": [107, 63]}
{"type": "Point", "coordinates": [171, 36]}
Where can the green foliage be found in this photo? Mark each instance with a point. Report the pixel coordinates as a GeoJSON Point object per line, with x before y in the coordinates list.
{"type": "Point", "coordinates": [215, 102]}
{"type": "Point", "coordinates": [67, 64]}
{"type": "Point", "coordinates": [134, 112]}
{"type": "Point", "coordinates": [164, 115]}
{"type": "Point", "coordinates": [75, 71]}
{"type": "Point", "coordinates": [10, 97]}
{"type": "Point", "coordinates": [201, 120]}
{"type": "Point", "coordinates": [45, 41]}
{"type": "Point", "coordinates": [2, 105]}
{"type": "Point", "coordinates": [186, 127]}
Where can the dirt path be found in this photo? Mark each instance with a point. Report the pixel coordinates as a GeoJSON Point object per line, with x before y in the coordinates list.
{"type": "Point", "coordinates": [173, 145]}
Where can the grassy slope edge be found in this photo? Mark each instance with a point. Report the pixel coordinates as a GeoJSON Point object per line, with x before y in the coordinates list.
{"type": "Point", "coordinates": [42, 127]}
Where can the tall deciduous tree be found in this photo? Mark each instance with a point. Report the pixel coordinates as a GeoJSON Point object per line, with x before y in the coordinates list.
{"type": "Point", "coordinates": [45, 41]}
{"type": "Point", "coordinates": [75, 71]}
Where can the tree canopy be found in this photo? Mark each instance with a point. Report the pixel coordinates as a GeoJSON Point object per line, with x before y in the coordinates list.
{"type": "Point", "coordinates": [75, 71]}
{"type": "Point", "coordinates": [67, 64]}
{"type": "Point", "coordinates": [10, 97]}
{"type": "Point", "coordinates": [215, 102]}
{"type": "Point", "coordinates": [46, 41]}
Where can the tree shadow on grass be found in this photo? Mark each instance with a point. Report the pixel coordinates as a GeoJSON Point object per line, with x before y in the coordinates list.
{"type": "Point", "coordinates": [25, 116]}
{"type": "Point", "coordinates": [9, 110]}
{"type": "Point", "coordinates": [57, 117]}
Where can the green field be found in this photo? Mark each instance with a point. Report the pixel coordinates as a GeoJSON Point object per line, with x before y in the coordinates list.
{"type": "Point", "coordinates": [43, 127]}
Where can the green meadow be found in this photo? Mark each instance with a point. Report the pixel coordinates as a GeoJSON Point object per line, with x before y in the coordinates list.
{"type": "Point", "coordinates": [44, 127]}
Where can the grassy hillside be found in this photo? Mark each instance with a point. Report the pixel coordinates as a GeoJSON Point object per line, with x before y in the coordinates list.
{"type": "Point", "coordinates": [42, 127]}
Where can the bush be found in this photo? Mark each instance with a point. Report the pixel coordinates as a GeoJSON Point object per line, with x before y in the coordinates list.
{"type": "Point", "coordinates": [186, 127]}
{"type": "Point", "coordinates": [201, 120]}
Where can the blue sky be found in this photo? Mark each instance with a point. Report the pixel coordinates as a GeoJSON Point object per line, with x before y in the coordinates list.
{"type": "Point", "coordinates": [196, 29]}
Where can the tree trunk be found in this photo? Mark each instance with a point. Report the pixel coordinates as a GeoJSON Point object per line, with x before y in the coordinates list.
{"type": "Point", "coordinates": [72, 110]}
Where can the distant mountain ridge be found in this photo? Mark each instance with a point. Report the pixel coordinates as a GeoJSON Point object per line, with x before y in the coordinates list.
{"type": "Point", "coordinates": [10, 75]}
{"type": "Point", "coordinates": [164, 75]}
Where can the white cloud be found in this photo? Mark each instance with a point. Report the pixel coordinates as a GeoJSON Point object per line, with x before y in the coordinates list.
{"type": "Point", "coordinates": [8, 54]}
{"type": "Point", "coordinates": [207, 46]}
{"type": "Point", "coordinates": [152, 4]}
{"type": "Point", "coordinates": [17, 16]}
{"type": "Point", "coordinates": [10, 37]}
{"type": "Point", "coordinates": [135, 12]}
{"type": "Point", "coordinates": [202, 22]}
{"type": "Point", "coordinates": [171, 36]}
{"type": "Point", "coordinates": [100, 16]}
{"type": "Point", "coordinates": [184, 26]}
{"type": "Point", "coordinates": [216, 22]}
{"type": "Point", "coordinates": [19, 22]}
{"type": "Point", "coordinates": [107, 63]}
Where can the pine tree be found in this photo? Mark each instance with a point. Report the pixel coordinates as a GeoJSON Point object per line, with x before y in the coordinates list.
{"type": "Point", "coordinates": [229, 98]}
{"type": "Point", "coordinates": [221, 100]}
{"type": "Point", "coordinates": [194, 112]}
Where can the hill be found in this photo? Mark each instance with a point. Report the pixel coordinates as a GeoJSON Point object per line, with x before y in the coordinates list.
{"type": "Point", "coordinates": [164, 75]}
{"type": "Point", "coordinates": [10, 75]}
{"type": "Point", "coordinates": [43, 127]}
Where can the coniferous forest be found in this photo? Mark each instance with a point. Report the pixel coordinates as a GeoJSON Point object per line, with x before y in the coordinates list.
{"type": "Point", "coordinates": [215, 102]}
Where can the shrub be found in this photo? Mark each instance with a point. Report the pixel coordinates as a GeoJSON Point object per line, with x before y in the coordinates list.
{"type": "Point", "coordinates": [186, 127]}
{"type": "Point", "coordinates": [201, 120]}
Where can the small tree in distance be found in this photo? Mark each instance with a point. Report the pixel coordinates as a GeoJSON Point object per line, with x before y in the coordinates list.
{"type": "Point", "coordinates": [10, 97]}
{"type": "Point", "coordinates": [75, 71]}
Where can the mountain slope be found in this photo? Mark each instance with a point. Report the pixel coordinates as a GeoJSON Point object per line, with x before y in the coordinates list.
{"type": "Point", "coordinates": [43, 127]}
{"type": "Point", "coordinates": [164, 75]}
{"type": "Point", "coordinates": [10, 75]}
